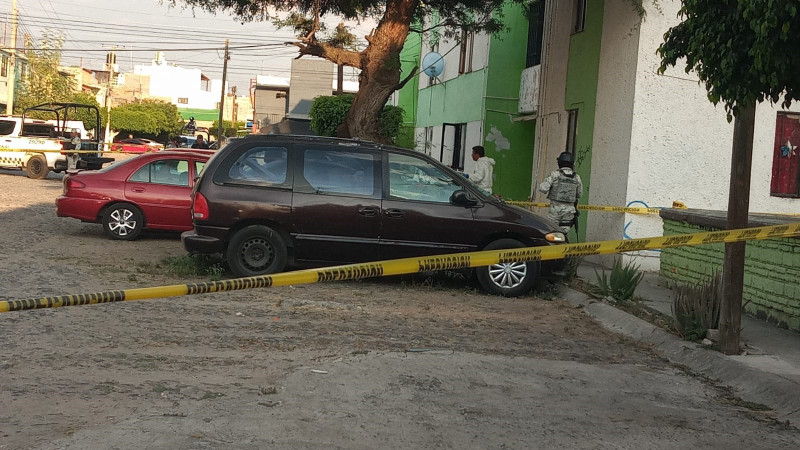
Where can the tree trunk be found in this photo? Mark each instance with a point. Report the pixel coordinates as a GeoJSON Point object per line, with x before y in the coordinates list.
{"type": "Point", "coordinates": [730, 318]}
{"type": "Point", "coordinates": [380, 72]}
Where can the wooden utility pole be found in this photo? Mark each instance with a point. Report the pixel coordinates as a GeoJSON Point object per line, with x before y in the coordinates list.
{"type": "Point", "coordinates": [234, 111]}
{"type": "Point", "coordinates": [339, 79]}
{"type": "Point", "coordinates": [222, 97]}
{"type": "Point", "coordinates": [12, 60]}
{"type": "Point", "coordinates": [111, 60]}
{"type": "Point", "coordinates": [730, 317]}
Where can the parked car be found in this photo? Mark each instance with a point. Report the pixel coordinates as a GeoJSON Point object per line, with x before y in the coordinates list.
{"type": "Point", "coordinates": [150, 191]}
{"type": "Point", "coordinates": [269, 201]}
{"type": "Point", "coordinates": [136, 146]}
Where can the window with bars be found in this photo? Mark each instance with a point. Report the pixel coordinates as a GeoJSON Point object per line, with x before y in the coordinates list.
{"type": "Point", "coordinates": [533, 55]}
{"type": "Point", "coordinates": [465, 53]}
{"type": "Point", "coordinates": [580, 15]}
{"type": "Point", "coordinates": [572, 130]}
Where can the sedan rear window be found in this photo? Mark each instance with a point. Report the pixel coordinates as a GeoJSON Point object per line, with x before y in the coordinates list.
{"type": "Point", "coordinates": [166, 171]}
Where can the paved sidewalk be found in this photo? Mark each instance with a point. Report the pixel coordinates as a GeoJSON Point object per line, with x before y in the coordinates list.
{"type": "Point", "coordinates": [768, 369]}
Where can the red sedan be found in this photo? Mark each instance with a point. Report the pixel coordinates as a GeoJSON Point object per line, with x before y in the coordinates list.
{"type": "Point", "coordinates": [149, 191]}
{"type": "Point", "coordinates": [136, 146]}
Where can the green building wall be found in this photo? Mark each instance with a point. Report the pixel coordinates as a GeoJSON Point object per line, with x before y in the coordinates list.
{"type": "Point", "coordinates": [771, 271]}
{"type": "Point", "coordinates": [407, 96]}
{"type": "Point", "coordinates": [507, 51]}
{"type": "Point", "coordinates": [582, 75]}
{"type": "Point", "coordinates": [447, 103]}
{"type": "Point", "coordinates": [491, 95]}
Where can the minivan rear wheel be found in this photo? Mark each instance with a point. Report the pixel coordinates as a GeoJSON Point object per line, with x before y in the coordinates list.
{"type": "Point", "coordinates": [509, 279]}
{"type": "Point", "coordinates": [256, 250]}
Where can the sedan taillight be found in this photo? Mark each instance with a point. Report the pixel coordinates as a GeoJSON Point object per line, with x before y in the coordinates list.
{"type": "Point", "coordinates": [72, 183]}
{"type": "Point", "coordinates": [199, 207]}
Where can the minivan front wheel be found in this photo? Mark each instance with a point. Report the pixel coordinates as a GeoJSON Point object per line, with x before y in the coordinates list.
{"type": "Point", "coordinates": [508, 279]}
{"type": "Point", "coordinates": [256, 250]}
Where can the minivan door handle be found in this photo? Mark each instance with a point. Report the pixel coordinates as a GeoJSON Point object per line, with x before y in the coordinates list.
{"type": "Point", "coordinates": [368, 211]}
{"type": "Point", "coordinates": [392, 212]}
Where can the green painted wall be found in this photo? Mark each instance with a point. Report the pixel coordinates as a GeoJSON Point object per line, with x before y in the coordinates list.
{"type": "Point", "coordinates": [447, 102]}
{"type": "Point", "coordinates": [581, 93]}
{"type": "Point", "coordinates": [771, 271]}
{"type": "Point", "coordinates": [408, 96]}
{"type": "Point", "coordinates": [507, 50]}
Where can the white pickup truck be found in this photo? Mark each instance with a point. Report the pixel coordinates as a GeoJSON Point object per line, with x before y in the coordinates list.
{"type": "Point", "coordinates": [38, 147]}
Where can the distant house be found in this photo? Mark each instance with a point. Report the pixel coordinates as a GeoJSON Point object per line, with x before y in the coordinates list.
{"type": "Point", "coordinates": [21, 72]}
{"type": "Point", "coordinates": [276, 99]}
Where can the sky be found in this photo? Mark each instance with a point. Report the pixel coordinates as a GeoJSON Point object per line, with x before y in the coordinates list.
{"type": "Point", "coordinates": [137, 29]}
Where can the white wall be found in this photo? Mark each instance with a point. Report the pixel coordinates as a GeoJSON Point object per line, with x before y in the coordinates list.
{"type": "Point", "coordinates": [611, 142]}
{"type": "Point", "coordinates": [176, 82]}
{"type": "Point", "coordinates": [681, 144]}
{"type": "Point", "coordinates": [551, 125]}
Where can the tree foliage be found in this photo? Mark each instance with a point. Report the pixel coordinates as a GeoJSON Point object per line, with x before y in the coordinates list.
{"type": "Point", "coordinates": [44, 83]}
{"type": "Point", "coordinates": [152, 119]}
{"type": "Point", "coordinates": [745, 51]}
{"type": "Point", "coordinates": [379, 59]}
{"type": "Point", "coordinates": [228, 129]}
{"type": "Point", "coordinates": [328, 112]}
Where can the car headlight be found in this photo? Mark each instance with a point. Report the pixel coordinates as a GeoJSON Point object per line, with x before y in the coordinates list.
{"type": "Point", "coordinates": [555, 237]}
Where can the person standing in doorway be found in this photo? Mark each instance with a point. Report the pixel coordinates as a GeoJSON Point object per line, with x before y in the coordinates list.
{"type": "Point", "coordinates": [483, 172]}
{"type": "Point", "coordinates": [563, 188]}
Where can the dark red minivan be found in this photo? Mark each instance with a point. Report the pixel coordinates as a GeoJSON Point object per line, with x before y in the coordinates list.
{"type": "Point", "coordinates": [268, 201]}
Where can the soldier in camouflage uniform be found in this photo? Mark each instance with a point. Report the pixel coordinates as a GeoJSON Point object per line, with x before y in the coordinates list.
{"type": "Point", "coordinates": [563, 187]}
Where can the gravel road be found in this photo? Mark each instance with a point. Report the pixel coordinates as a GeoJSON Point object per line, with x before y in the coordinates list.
{"type": "Point", "coordinates": [415, 362]}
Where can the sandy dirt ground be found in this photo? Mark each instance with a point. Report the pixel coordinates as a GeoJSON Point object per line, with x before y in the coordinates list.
{"type": "Point", "coordinates": [415, 362]}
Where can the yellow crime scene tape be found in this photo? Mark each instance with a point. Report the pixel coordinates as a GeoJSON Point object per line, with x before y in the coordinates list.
{"type": "Point", "coordinates": [409, 265]}
{"type": "Point", "coordinates": [626, 209]}
{"type": "Point", "coordinates": [620, 209]}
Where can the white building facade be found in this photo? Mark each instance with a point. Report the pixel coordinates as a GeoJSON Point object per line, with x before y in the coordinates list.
{"type": "Point", "coordinates": [186, 88]}
{"type": "Point", "coordinates": [645, 139]}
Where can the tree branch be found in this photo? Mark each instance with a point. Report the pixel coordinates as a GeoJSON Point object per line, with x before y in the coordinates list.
{"type": "Point", "coordinates": [411, 75]}
{"type": "Point", "coordinates": [326, 51]}
{"type": "Point", "coordinates": [446, 23]}
{"type": "Point", "coordinates": [310, 37]}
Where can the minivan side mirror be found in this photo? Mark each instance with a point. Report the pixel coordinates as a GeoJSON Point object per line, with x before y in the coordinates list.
{"type": "Point", "coordinates": [462, 198]}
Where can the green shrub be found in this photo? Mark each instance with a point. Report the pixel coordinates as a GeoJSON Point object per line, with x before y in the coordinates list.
{"type": "Point", "coordinates": [328, 112]}
{"type": "Point", "coordinates": [194, 266]}
{"type": "Point", "coordinates": [622, 282]}
{"type": "Point", "coordinates": [696, 307]}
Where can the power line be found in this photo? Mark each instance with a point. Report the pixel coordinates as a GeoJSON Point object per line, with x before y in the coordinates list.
{"type": "Point", "coordinates": [195, 49]}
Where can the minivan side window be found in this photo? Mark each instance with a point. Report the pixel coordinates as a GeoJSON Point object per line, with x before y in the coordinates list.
{"type": "Point", "coordinates": [339, 172]}
{"type": "Point", "coordinates": [260, 165]}
{"type": "Point", "coordinates": [413, 178]}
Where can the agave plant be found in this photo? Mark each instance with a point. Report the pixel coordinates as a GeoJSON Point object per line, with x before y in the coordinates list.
{"type": "Point", "coordinates": [621, 283]}
{"type": "Point", "coordinates": [696, 307]}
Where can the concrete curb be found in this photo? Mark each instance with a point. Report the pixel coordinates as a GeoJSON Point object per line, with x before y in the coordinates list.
{"type": "Point", "coordinates": [751, 384]}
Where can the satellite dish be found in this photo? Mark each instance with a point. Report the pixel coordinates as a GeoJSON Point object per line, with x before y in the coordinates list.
{"type": "Point", "coordinates": [433, 64]}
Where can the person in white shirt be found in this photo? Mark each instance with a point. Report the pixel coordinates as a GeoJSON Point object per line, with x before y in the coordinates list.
{"type": "Point", "coordinates": [483, 172]}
